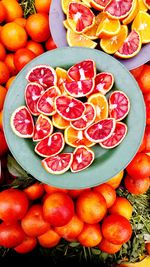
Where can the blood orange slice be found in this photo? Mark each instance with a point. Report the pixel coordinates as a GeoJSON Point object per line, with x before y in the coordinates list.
{"type": "Point", "coordinates": [43, 128]}
{"type": "Point", "coordinates": [80, 17]}
{"type": "Point", "coordinates": [101, 105]}
{"type": "Point", "coordinates": [33, 92]}
{"type": "Point", "coordinates": [82, 158]}
{"type": "Point", "coordinates": [79, 88]}
{"type": "Point", "coordinates": [51, 145]}
{"type": "Point", "coordinates": [117, 136]}
{"type": "Point", "coordinates": [69, 108]}
{"type": "Point", "coordinates": [99, 4]}
{"type": "Point", "coordinates": [119, 9]}
{"type": "Point", "coordinates": [147, 3]}
{"type": "Point", "coordinates": [119, 105]}
{"type": "Point", "coordinates": [59, 122]}
{"type": "Point", "coordinates": [45, 103]}
{"type": "Point", "coordinates": [58, 164]}
{"type": "Point", "coordinates": [103, 82]}
{"type": "Point", "coordinates": [101, 130]}
{"type": "Point", "coordinates": [43, 74]}
{"type": "Point", "coordinates": [83, 70]}
{"type": "Point", "coordinates": [131, 46]}
{"type": "Point", "coordinates": [87, 119]}
{"type": "Point", "coordinates": [22, 123]}
{"type": "Point", "coordinates": [76, 138]}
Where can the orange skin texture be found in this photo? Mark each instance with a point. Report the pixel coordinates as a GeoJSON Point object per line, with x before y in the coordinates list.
{"type": "Point", "coordinates": [147, 139]}
{"type": "Point", "coordinates": [49, 239]}
{"type": "Point", "coordinates": [1, 122]}
{"type": "Point", "coordinates": [4, 73]}
{"type": "Point", "coordinates": [34, 191]}
{"type": "Point", "coordinates": [42, 5]}
{"type": "Point", "coordinates": [22, 57]}
{"type": "Point", "coordinates": [121, 206]}
{"type": "Point", "coordinates": [90, 236]}
{"type": "Point", "coordinates": [21, 22]}
{"type": "Point", "coordinates": [108, 192]}
{"type": "Point", "coordinates": [51, 189]}
{"type": "Point", "coordinates": [143, 144]}
{"type": "Point", "coordinates": [108, 247]}
{"type": "Point", "coordinates": [2, 52]}
{"type": "Point", "coordinates": [3, 92]}
{"type": "Point", "coordinates": [116, 180]}
{"type": "Point", "coordinates": [58, 209]}
{"type": "Point", "coordinates": [144, 79]}
{"type": "Point", "coordinates": [50, 44]}
{"type": "Point", "coordinates": [139, 167]}
{"type": "Point", "coordinates": [13, 10]}
{"type": "Point", "coordinates": [35, 47]}
{"type": "Point", "coordinates": [147, 246]}
{"type": "Point", "coordinates": [9, 61]}
{"type": "Point", "coordinates": [137, 71]}
{"type": "Point", "coordinates": [91, 207]}
{"type": "Point", "coordinates": [33, 223]}
{"type": "Point", "coordinates": [11, 235]}
{"type": "Point", "coordinates": [3, 147]}
{"type": "Point", "coordinates": [74, 193]}
{"type": "Point", "coordinates": [137, 186]}
{"type": "Point", "coordinates": [9, 82]}
{"type": "Point", "coordinates": [27, 245]}
{"type": "Point", "coordinates": [2, 12]}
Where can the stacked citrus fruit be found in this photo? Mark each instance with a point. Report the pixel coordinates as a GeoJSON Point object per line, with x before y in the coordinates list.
{"type": "Point", "coordinates": [120, 27]}
{"type": "Point", "coordinates": [76, 101]}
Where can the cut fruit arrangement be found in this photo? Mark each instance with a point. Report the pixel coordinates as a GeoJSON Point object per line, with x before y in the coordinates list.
{"type": "Point", "coordinates": [76, 101]}
{"type": "Point", "coordinates": [120, 27]}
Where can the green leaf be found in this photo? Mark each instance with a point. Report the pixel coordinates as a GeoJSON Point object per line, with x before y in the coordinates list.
{"type": "Point", "coordinates": [14, 168]}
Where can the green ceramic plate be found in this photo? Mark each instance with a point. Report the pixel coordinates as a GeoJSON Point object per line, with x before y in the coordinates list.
{"type": "Point", "coordinates": [107, 162]}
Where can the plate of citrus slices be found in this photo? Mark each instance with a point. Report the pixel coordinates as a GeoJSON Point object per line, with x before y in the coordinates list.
{"type": "Point", "coordinates": [120, 28]}
{"type": "Point", "coordinates": [74, 117]}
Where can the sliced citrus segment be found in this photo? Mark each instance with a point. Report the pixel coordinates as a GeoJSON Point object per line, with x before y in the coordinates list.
{"type": "Point", "coordinates": [62, 77]}
{"type": "Point", "coordinates": [99, 4]}
{"type": "Point", "coordinates": [131, 46]}
{"type": "Point", "coordinates": [65, 4]}
{"type": "Point", "coordinates": [83, 157]}
{"type": "Point", "coordinates": [66, 24]}
{"type": "Point", "coordinates": [101, 105]}
{"type": "Point", "coordinates": [43, 74]}
{"type": "Point", "coordinates": [132, 14]}
{"type": "Point", "coordinates": [22, 123]}
{"type": "Point", "coordinates": [87, 119]}
{"type": "Point", "coordinates": [112, 44]}
{"type": "Point", "coordinates": [107, 27]}
{"type": "Point", "coordinates": [80, 17]}
{"type": "Point", "coordinates": [119, 9]}
{"type": "Point", "coordinates": [43, 128]}
{"type": "Point", "coordinates": [69, 108]}
{"type": "Point", "coordinates": [119, 105]}
{"type": "Point", "coordinates": [117, 136]}
{"type": "Point", "coordinates": [75, 39]}
{"type": "Point", "coordinates": [101, 130]}
{"type": "Point", "coordinates": [58, 164]}
{"type": "Point", "coordinates": [83, 70]}
{"type": "Point", "coordinates": [91, 33]}
{"type": "Point", "coordinates": [141, 24]}
{"type": "Point", "coordinates": [142, 6]}
{"type": "Point", "coordinates": [76, 138]}
{"type": "Point", "coordinates": [51, 145]}
{"type": "Point", "coordinates": [45, 103]}
{"type": "Point", "coordinates": [59, 122]}
{"type": "Point", "coordinates": [147, 3]}
{"type": "Point", "coordinates": [33, 92]}
{"type": "Point", "coordinates": [79, 88]}
{"type": "Point", "coordinates": [104, 81]}
{"type": "Point", "coordinates": [87, 2]}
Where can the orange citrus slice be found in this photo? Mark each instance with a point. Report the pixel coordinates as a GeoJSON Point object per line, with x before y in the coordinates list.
{"type": "Point", "coordinates": [142, 6]}
{"type": "Point", "coordinates": [118, 9]}
{"type": "Point", "coordinates": [59, 122]}
{"type": "Point", "coordinates": [101, 105]}
{"type": "Point", "coordinates": [141, 24]}
{"type": "Point", "coordinates": [91, 33]}
{"type": "Point", "coordinates": [132, 14]}
{"type": "Point", "coordinates": [62, 77]}
{"type": "Point", "coordinates": [99, 4]}
{"type": "Point", "coordinates": [75, 39]}
{"type": "Point", "coordinates": [76, 138]}
{"type": "Point", "coordinates": [111, 45]}
{"type": "Point", "coordinates": [107, 27]}
{"type": "Point", "coordinates": [147, 3]}
{"type": "Point", "coordinates": [65, 4]}
{"type": "Point", "coordinates": [87, 2]}
{"type": "Point", "coordinates": [66, 24]}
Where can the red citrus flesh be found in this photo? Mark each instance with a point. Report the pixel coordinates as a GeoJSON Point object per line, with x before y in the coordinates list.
{"type": "Point", "coordinates": [83, 70]}
{"type": "Point", "coordinates": [33, 92]}
{"type": "Point", "coordinates": [43, 128]}
{"type": "Point", "coordinates": [58, 164]}
{"type": "Point", "coordinates": [118, 9]}
{"type": "Point", "coordinates": [79, 88]}
{"type": "Point", "coordinates": [99, 4]}
{"type": "Point", "coordinates": [103, 82]}
{"type": "Point", "coordinates": [82, 158]}
{"type": "Point", "coordinates": [119, 105]}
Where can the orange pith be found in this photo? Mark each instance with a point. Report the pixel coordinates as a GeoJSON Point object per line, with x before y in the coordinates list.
{"type": "Point", "coordinates": [59, 122]}
{"type": "Point", "coordinates": [107, 27]}
{"type": "Point", "coordinates": [101, 106]}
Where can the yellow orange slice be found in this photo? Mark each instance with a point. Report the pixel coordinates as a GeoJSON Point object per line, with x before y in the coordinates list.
{"type": "Point", "coordinates": [142, 6]}
{"type": "Point", "coordinates": [99, 4]}
{"type": "Point", "coordinates": [62, 77]}
{"type": "Point", "coordinates": [76, 138]}
{"type": "Point", "coordinates": [59, 122]}
{"type": "Point", "coordinates": [66, 24]}
{"type": "Point", "coordinates": [141, 24]}
{"type": "Point", "coordinates": [147, 3]}
{"type": "Point", "coordinates": [132, 14]}
{"type": "Point", "coordinates": [107, 27]}
{"type": "Point", "coordinates": [75, 39]}
{"type": "Point", "coordinates": [111, 45]}
{"type": "Point", "coordinates": [65, 4]}
{"type": "Point", "coordinates": [91, 33]}
{"type": "Point", "coordinates": [87, 2]}
{"type": "Point", "coordinates": [101, 105]}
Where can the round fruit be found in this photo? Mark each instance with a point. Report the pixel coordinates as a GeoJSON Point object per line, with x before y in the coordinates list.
{"type": "Point", "coordinates": [2, 52]}
{"type": "Point", "coordinates": [82, 158]}
{"type": "Point", "coordinates": [4, 73]}
{"type": "Point", "coordinates": [3, 93]}
{"type": "Point", "coordinates": [2, 12]}
{"type": "Point", "coordinates": [108, 192]}
{"type": "Point", "coordinates": [49, 239]}
{"type": "Point", "coordinates": [79, 88]}
{"type": "Point", "coordinates": [122, 206]}
{"type": "Point", "coordinates": [137, 186]}
{"type": "Point", "coordinates": [43, 128]}
{"type": "Point", "coordinates": [116, 180]}
{"type": "Point", "coordinates": [76, 39]}
{"type": "Point", "coordinates": [34, 191]}
{"type": "Point", "coordinates": [58, 164]}
{"type": "Point", "coordinates": [83, 70]}
{"type": "Point", "coordinates": [103, 83]}
{"type": "Point", "coordinates": [52, 189]}
{"type": "Point", "coordinates": [139, 167]}
{"type": "Point", "coordinates": [22, 123]}
{"type": "Point", "coordinates": [51, 145]}
{"type": "Point", "coordinates": [42, 5]}
{"type": "Point", "coordinates": [22, 57]}
{"type": "Point", "coordinates": [9, 61]}
{"type": "Point", "coordinates": [136, 72]}
{"type": "Point", "coordinates": [101, 105]}
{"type": "Point", "coordinates": [118, 9]}
{"type": "Point", "coordinates": [116, 229]}
{"type": "Point", "coordinates": [144, 79]}
{"type": "Point", "coordinates": [10, 81]}
{"type": "Point", "coordinates": [49, 45]}
{"type": "Point", "coordinates": [58, 209]}
{"type": "Point", "coordinates": [11, 235]}
{"type": "Point", "coordinates": [3, 147]}
{"type": "Point", "coordinates": [75, 138]}
{"type": "Point", "coordinates": [20, 21]}
{"type": "Point", "coordinates": [108, 247]}
{"type": "Point", "coordinates": [35, 47]}
{"type": "Point", "coordinates": [119, 105]}
{"type": "Point", "coordinates": [13, 10]}
{"type": "Point", "coordinates": [33, 92]}
{"type": "Point", "coordinates": [27, 245]}
{"type": "Point", "coordinates": [90, 236]}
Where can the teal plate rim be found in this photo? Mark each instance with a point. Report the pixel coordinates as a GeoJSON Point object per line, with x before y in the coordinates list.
{"type": "Point", "coordinates": [107, 163]}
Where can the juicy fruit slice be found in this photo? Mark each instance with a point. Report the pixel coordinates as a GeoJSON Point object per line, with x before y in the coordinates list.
{"type": "Point", "coordinates": [117, 136]}
{"type": "Point", "coordinates": [99, 4]}
{"type": "Point", "coordinates": [75, 39]}
{"type": "Point", "coordinates": [108, 27]}
{"type": "Point", "coordinates": [131, 46]}
{"type": "Point", "coordinates": [65, 4]}
{"type": "Point", "coordinates": [80, 17]}
{"type": "Point", "coordinates": [142, 6]}
{"type": "Point", "coordinates": [111, 45]}
{"type": "Point", "coordinates": [22, 123]}
{"type": "Point", "coordinates": [103, 82]}
{"type": "Point", "coordinates": [45, 103]}
{"type": "Point", "coordinates": [132, 14]}
{"type": "Point", "coordinates": [147, 3]}
{"type": "Point", "coordinates": [76, 138]}
{"type": "Point", "coordinates": [51, 145]}
{"type": "Point", "coordinates": [62, 77]}
{"type": "Point", "coordinates": [43, 74]}
{"type": "Point", "coordinates": [119, 9]}
{"type": "Point", "coordinates": [83, 70]}
{"type": "Point", "coordinates": [101, 130]}
{"type": "Point", "coordinates": [58, 164]}
{"type": "Point", "coordinates": [69, 108]}
{"type": "Point", "coordinates": [43, 128]}
{"type": "Point", "coordinates": [59, 122]}
{"type": "Point", "coordinates": [119, 105]}
{"type": "Point", "coordinates": [91, 33]}
{"type": "Point", "coordinates": [33, 92]}
{"type": "Point", "coordinates": [82, 158]}
{"type": "Point", "coordinates": [87, 2]}
{"type": "Point", "coordinates": [101, 105]}
{"type": "Point", "coordinates": [141, 24]}
{"type": "Point", "coordinates": [79, 88]}
{"type": "Point", "coordinates": [87, 119]}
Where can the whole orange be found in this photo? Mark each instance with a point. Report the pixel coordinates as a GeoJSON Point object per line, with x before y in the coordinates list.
{"type": "Point", "coordinates": [9, 60]}
{"type": "Point", "coordinates": [116, 180]}
{"type": "Point", "coordinates": [122, 206]}
{"type": "Point", "coordinates": [34, 191]}
{"type": "Point", "coordinates": [137, 186]}
{"type": "Point", "coordinates": [50, 44]}
{"type": "Point", "coordinates": [144, 79]}
{"type": "Point", "coordinates": [2, 52]}
{"type": "Point", "coordinates": [37, 27]}
{"type": "Point", "coordinates": [35, 47]}
{"type": "Point", "coordinates": [3, 146]}
{"type": "Point", "coordinates": [108, 192]}
{"type": "Point", "coordinates": [1, 120]}
{"type": "Point", "coordinates": [13, 10]}
{"type": "Point", "coordinates": [42, 5]}
{"type": "Point", "coordinates": [21, 22]}
{"type": "Point", "coordinates": [4, 73]}
{"type": "Point", "coordinates": [108, 247]}
{"type": "Point", "coordinates": [27, 245]}
{"type": "Point", "coordinates": [90, 236]}
{"type": "Point", "coordinates": [3, 92]}
{"type": "Point", "coordinates": [9, 82]}
{"type": "Point", "coordinates": [52, 189]}
{"type": "Point", "coordinates": [2, 12]}
{"type": "Point", "coordinates": [21, 57]}
{"type": "Point", "coordinates": [49, 239]}
{"type": "Point", "coordinates": [13, 36]}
